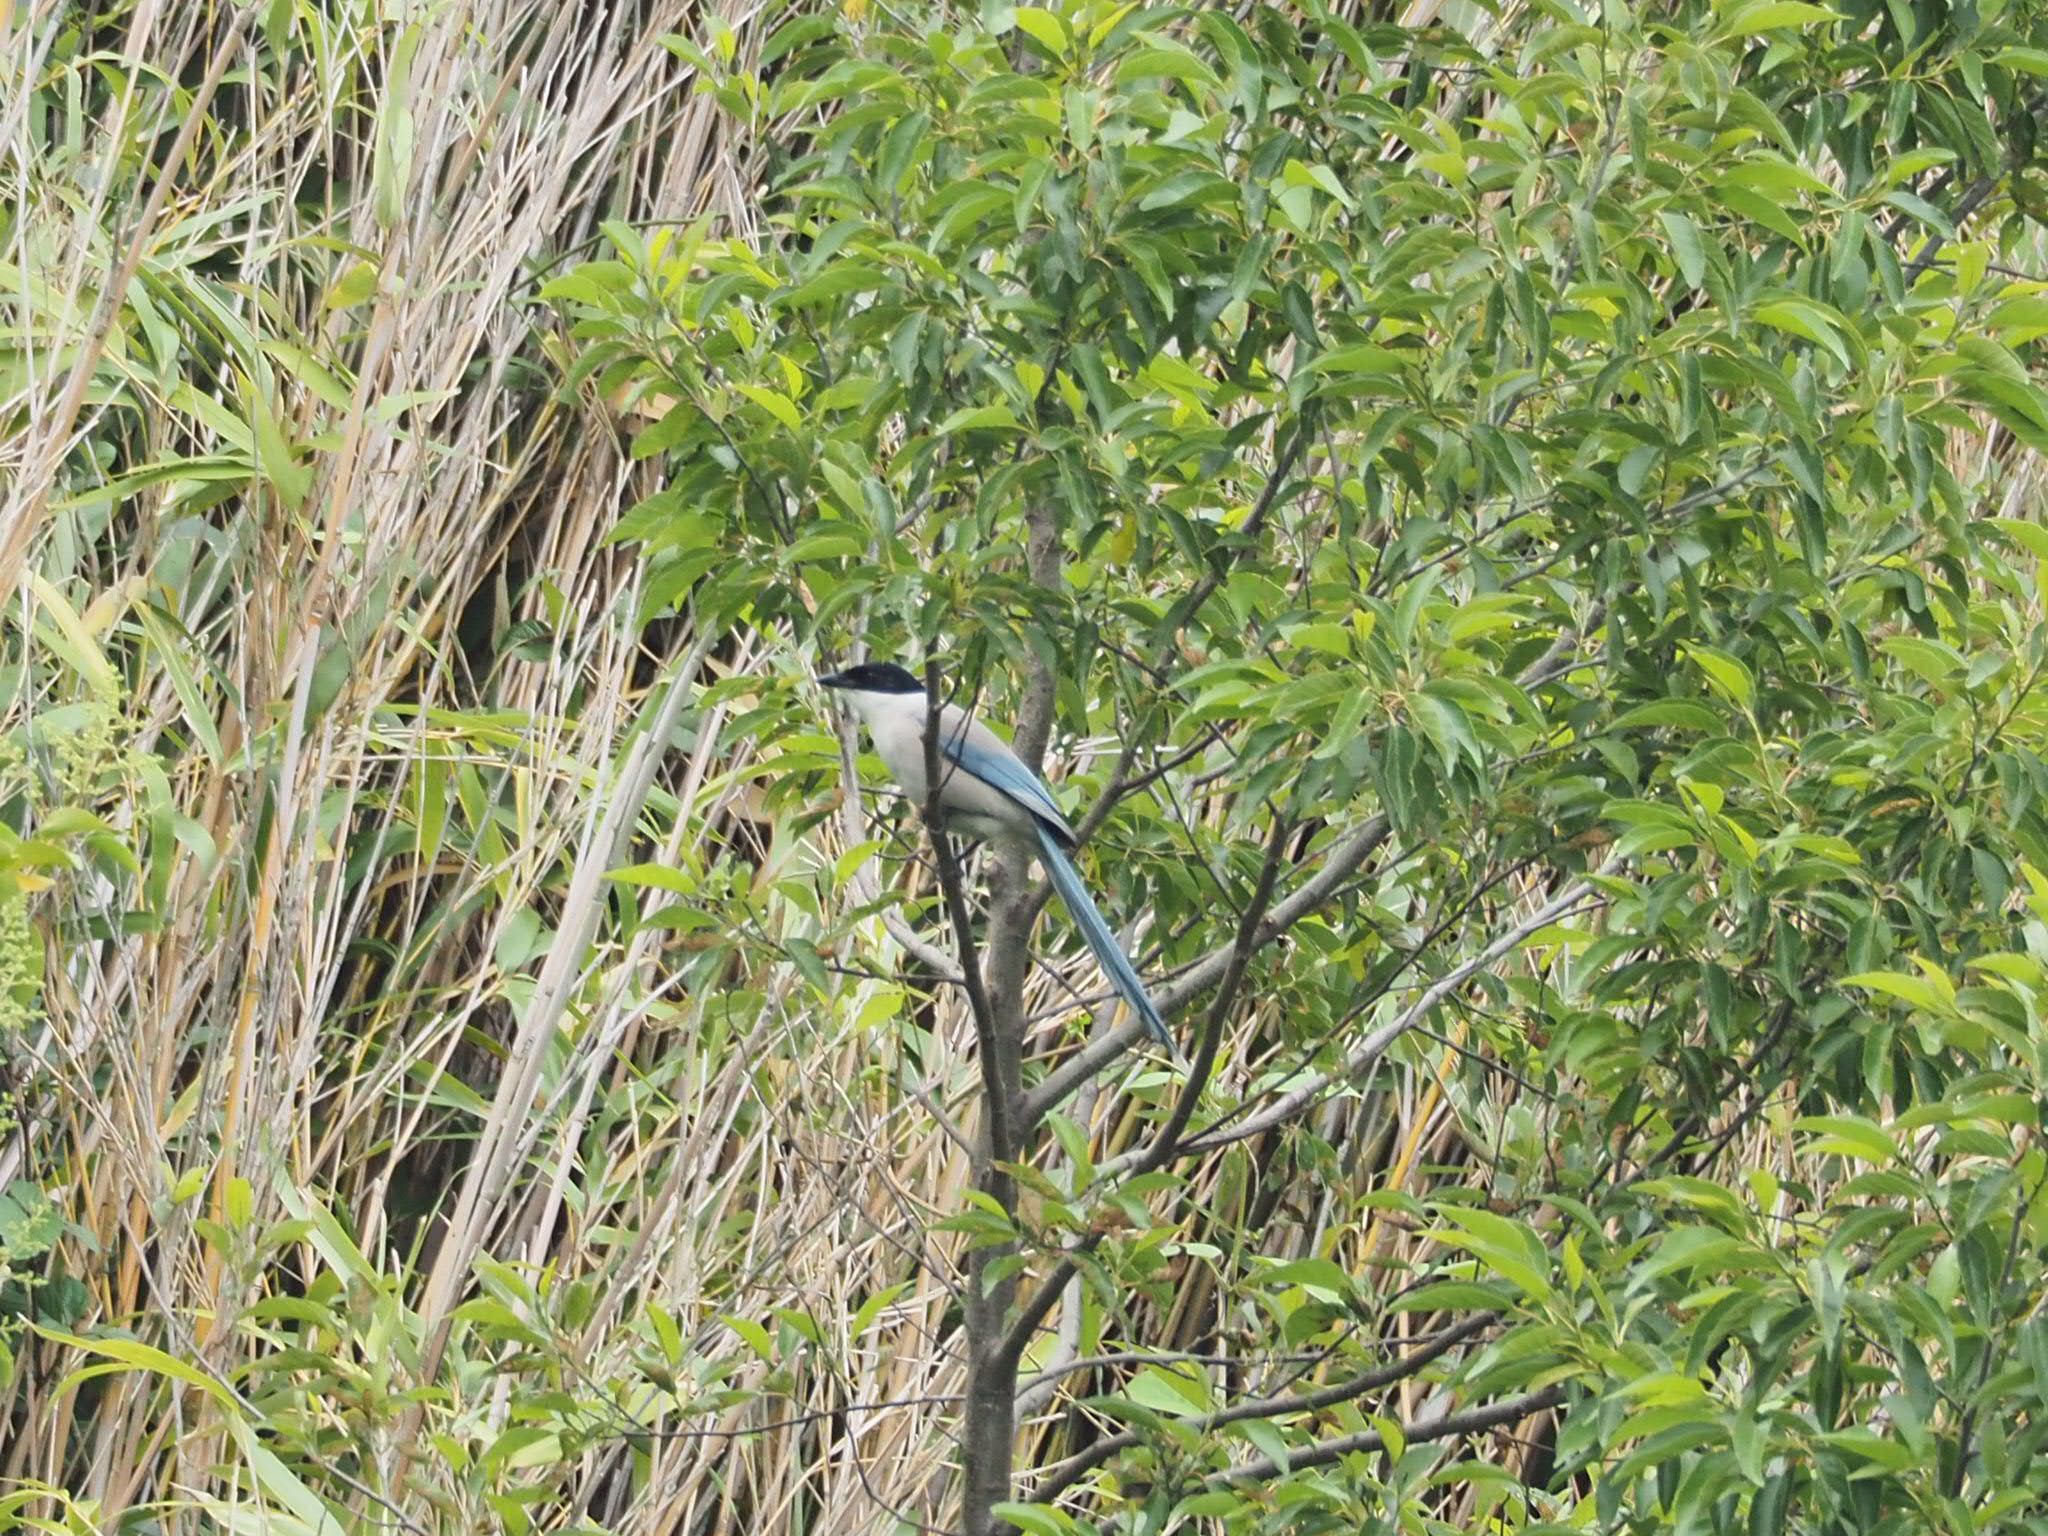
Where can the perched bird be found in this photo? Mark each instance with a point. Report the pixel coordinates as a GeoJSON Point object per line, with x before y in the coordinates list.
{"type": "Point", "coordinates": [986, 791]}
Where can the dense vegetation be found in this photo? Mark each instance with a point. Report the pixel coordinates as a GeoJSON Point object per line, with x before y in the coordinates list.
{"type": "Point", "coordinates": [1515, 531]}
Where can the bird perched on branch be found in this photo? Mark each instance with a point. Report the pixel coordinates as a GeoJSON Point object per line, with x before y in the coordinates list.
{"type": "Point", "coordinates": [986, 791]}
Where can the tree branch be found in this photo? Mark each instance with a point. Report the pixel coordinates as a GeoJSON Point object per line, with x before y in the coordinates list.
{"type": "Point", "coordinates": [1444, 1427]}
{"type": "Point", "coordinates": [1375, 1045]}
{"type": "Point", "coordinates": [1269, 494]}
{"type": "Point", "coordinates": [1043, 1300]}
{"type": "Point", "coordinates": [1053, 1373]}
{"type": "Point", "coordinates": [1002, 1148]}
{"type": "Point", "coordinates": [1168, 1141]}
{"type": "Point", "coordinates": [1064, 1474]}
{"type": "Point", "coordinates": [1339, 865]}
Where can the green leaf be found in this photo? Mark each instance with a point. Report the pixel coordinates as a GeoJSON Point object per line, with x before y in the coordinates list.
{"type": "Point", "coordinates": [1508, 1247]}
{"type": "Point", "coordinates": [1179, 1390]}
{"type": "Point", "coordinates": [1728, 676]}
{"type": "Point", "coordinates": [281, 1483]}
{"type": "Point", "coordinates": [1368, 360]}
{"type": "Point", "coordinates": [1164, 60]}
{"type": "Point", "coordinates": [2031, 61]}
{"type": "Point", "coordinates": [1848, 1136]}
{"type": "Point", "coordinates": [977, 417]}
{"type": "Point", "coordinates": [1801, 318]}
{"type": "Point", "coordinates": [1686, 246]}
{"type": "Point", "coordinates": [1921, 209]}
{"type": "Point", "coordinates": [1682, 714]}
{"type": "Point", "coordinates": [170, 652]}
{"type": "Point", "coordinates": [1939, 664]}
{"type": "Point", "coordinates": [358, 285]}
{"type": "Point", "coordinates": [1045, 28]}
{"type": "Point", "coordinates": [1769, 15]}
{"type": "Point", "coordinates": [1318, 1275]}
{"type": "Point", "coordinates": [391, 153]}
{"type": "Point", "coordinates": [776, 404]}
{"type": "Point", "coordinates": [655, 877]}
{"type": "Point", "coordinates": [131, 1354]}
{"type": "Point", "coordinates": [1921, 992]}
{"type": "Point", "coordinates": [1036, 1519]}
{"type": "Point", "coordinates": [756, 1337]}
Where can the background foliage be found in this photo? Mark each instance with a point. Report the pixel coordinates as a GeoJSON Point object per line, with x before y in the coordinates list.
{"type": "Point", "coordinates": [1521, 528]}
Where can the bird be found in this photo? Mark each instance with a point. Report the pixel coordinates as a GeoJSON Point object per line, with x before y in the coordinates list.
{"type": "Point", "coordinates": [987, 792]}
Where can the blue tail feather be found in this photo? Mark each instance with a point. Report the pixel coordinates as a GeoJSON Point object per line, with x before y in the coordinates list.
{"type": "Point", "coordinates": [1067, 881]}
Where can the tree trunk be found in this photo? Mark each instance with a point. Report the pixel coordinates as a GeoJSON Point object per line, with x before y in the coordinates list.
{"type": "Point", "coordinates": [989, 1422]}
{"type": "Point", "coordinates": [988, 1431]}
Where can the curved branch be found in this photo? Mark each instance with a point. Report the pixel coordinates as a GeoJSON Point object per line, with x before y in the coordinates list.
{"type": "Point", "coordinates": [1064, 1474]}
{"type": "Point", "coordinates": [1052, 1373]}
{"type": "Point", "coordinates": [1001, 1147]}
{"type": "Point", "coordinates": [1444, 1427]}
{"type": "Point", "coordinates": [1339, 865]}
{"type": "Point", "coordinates": [1043, 1300]}
{"type": "Point", "coordinates": [1168, 1142]}
{"type": "Point", "coordinates": [1376, 1044]}
{"type": "Point", "coordinates": [1285, 453]}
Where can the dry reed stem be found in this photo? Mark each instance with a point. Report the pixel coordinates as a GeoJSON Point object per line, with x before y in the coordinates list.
{"type": "Point", "coordinates": [328, 1037]}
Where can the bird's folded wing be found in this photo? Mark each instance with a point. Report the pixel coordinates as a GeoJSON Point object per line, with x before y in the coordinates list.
{"type": "Point", "coordinates": [1000, 768]}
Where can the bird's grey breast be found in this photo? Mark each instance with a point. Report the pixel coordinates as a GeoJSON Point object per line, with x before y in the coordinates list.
{"type": "Point", "coordinates": [897, 725]}
{"type": "Point", "coordinates": [969, 803]}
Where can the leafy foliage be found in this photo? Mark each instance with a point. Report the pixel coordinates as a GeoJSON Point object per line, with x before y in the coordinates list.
{"type": "Point", "coordinates": [1539, 440]}
{"type": "Point", "coordinates": [1519, 530]}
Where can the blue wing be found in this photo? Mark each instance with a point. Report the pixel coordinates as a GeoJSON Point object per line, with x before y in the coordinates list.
{"type": "Point", "coordinates": [984, 756]}
{"type": "Point", "coordinates": [1000, 768]}
{"type": "Point", "coordinates": [1115, 963]}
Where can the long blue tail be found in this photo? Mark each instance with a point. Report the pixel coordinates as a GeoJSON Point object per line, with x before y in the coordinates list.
{"type": "Point", "coordinates": [1067, 881]}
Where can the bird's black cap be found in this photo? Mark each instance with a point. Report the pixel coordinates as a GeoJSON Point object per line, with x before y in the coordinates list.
{"type": "Point", "coordinates": [873, 677]}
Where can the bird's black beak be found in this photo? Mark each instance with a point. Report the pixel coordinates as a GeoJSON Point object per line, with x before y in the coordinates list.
{"type": "Point", "coordinates": [834, 680]}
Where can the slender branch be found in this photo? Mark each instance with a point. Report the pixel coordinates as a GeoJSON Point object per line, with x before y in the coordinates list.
{"type": "Point", "coordinates": [1339, 865]}
{"type": "Point", "coordinates": [1269, 494]}
{"type": "Point", "coordinates": [1043, 1300]}
{"type": "Point", "coordinates": [922, 950]}
{"type": "Point", "coordinates": [1689, 1126]}
{"type": "Point", "coordinates": [1167, 1143]}
{"type": "Point", "coordinates": [1444, 1427]}
{"type": "Point", "coordinates": [1001, 1146]}
{"type": "Point", "coordinates": [1064, 1474]}
{"type": "Point", "coordinates": [633, 1429]}
{"type": "Point", "coordinates": [1167, 1357]}
{"type": "Point", "coordinates": [1376, 1044]}
{"type": "Point", "coordinates": [1990, 1357]}
{"type": "Point", "coordinates": [1124, 783]}
{"type": "Point", "coordinates": [1973, 197]}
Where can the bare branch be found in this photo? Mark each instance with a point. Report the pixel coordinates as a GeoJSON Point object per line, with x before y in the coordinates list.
{"type": "Point", "coordinates": [1165, 1357]}
{"type": "Point", "coordinates": [1339, 865]}
{"type": "Point", "coordinates": [1001, 1146]}
{"type": "Point", "coordinates": [1276, 480]}
{"type": "Point", "coordinates": [1375, 1045]}
{"type": "Point", "coordinates": [922, 950]}
{"type": "Point", "coordinates": [1064, 1474]}
{"type": "Point", "coordinates": [1044, 1299]}
{"type": "Point", "coordinates": [1167, 1143]}
{"type": "Point", "coordinates": [1445, 1427]}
